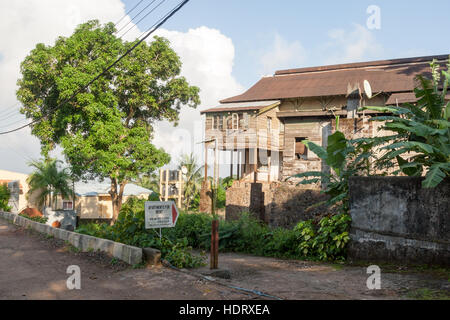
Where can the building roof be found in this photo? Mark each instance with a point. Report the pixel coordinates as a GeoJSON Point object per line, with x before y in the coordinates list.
{"type": "Point", "coordinates": [243, 106]}
{"type": "Point", "coordinates": [388, 76]}
{"type": "Point", "coordinates": [95, 188]}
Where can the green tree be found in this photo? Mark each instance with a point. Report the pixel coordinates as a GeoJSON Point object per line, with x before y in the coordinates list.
{"type": "Point", "coordinates": [48, 181]}
{"type": "Point", "coordinates": [106, 130]}
{"type": "Point", "coordinates": [5, 194]}
{"type": "Point", "coordinates": [149, 181]}
{"type": "Point", "coordinates": [192, 178]}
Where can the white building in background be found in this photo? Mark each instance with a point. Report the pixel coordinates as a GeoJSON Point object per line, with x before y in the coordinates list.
{"type": "Point", "coordinates": [92, 199]}
{"type": "Point", "coordinates": [17, 182]}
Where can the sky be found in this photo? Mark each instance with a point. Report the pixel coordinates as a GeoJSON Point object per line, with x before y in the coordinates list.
{"type": "Point", "coordinates": [225, 47]}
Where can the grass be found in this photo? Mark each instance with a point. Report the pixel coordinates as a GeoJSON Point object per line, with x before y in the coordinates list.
{"type": "Point", "coordinates": [434, 270]}
{"type": "Point", "coordinates": [72, 248]}
{"type": "Point", "coordinates": [428, 294]}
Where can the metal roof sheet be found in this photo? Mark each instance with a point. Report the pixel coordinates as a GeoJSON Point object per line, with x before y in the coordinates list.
{"type": "Point", "coordinates": [389, 76]}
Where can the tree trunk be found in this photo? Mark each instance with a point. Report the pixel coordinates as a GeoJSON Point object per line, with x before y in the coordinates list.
{"type": "Point", "coordinates": [116, 198]}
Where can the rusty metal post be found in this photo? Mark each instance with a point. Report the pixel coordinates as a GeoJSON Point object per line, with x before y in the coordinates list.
{"type": "Point", "coordinates": [214, 259]}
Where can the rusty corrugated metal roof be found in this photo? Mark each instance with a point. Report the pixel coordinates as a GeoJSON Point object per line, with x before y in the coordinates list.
{"type": "Point", "coordinates": [388, 76]}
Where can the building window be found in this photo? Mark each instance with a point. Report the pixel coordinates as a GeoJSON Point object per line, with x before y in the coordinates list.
{"type": "Point", "coordinates": [235, 124]}
{"type": "Point", "coordinates": [218, 122]}
{"type": "Point", "coordinates": [269, 124]}
{"type": "Point", "coordinates": [246, 117]}
{"type": "Point", "coordinates": [301, 151]}
{"type": "Point", "coordinates": [67, 205]}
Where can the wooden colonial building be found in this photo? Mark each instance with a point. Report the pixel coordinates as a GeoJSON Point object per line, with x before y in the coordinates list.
{"type": "Point", "coordinates": [265, 126]}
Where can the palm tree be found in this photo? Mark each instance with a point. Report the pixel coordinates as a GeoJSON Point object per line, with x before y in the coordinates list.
{"type": "Point", "coordinates": [192, 178]}
{"type": "Point", "coordinates": [49, 182]}
{"type": "Point", "coordinates": [149, 181]}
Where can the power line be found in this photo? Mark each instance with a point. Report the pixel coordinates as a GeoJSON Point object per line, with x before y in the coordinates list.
{"type": "Point", "coordinates": [137, 15]}
{"type": "Point", "coordinates": [7, 111]}
{"type": "Point", "coordinates": [150, 31]}
{"type": "Point", "coordinates": [126, 14]}
{"type": "Point", "coordinates": [12, 115]}
{"type": "Point", "coordinates": [135, 25]}
{"type": "Point", "coordinates": [15, 122]}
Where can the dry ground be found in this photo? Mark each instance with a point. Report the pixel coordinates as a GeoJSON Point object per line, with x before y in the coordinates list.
{"type": "Point", "coordinates": [33, 266]}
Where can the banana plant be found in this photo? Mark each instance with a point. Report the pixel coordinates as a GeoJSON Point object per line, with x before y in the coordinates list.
{"type": "Point", "coordinates": [422, 141]}
{"type": "Point", "coordinates": [346, 158]}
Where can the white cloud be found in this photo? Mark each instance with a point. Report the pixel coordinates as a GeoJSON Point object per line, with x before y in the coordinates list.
{"type": "Point", "coordinates": [351, 45]}
{"type": "Point", "coordinates": [207, 57]}
{"type": "Point", "coordinates": [282, 55]}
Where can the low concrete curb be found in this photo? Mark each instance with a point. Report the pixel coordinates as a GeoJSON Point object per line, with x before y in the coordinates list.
{"type": "Point", "coordinates": [129, 254]}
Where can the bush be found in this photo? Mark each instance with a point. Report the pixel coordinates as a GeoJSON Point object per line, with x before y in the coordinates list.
{"type": "Point", "coordinates": [42, 220]}
{"type": "Point", "coordinates": [4, 198]}
{"type": "Point", "coordinates": [325, 241]}
{"type": "Point", "coordinates": [130, 229]}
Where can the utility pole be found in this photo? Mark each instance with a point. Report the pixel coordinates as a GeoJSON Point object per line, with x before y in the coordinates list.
{"type": "Point", "coordinates": [214, 259]}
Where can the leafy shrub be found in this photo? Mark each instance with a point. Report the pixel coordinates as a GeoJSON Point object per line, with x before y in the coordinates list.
{"type": "Point", "coordinates": [4, 198]}
{"type": "Point", "coordinates": [42, 220]}
{"type": "Point", "coordinates": [130, 229]}
{"type": "Point", "coordinates": [331, 238]}
{"type": "Point", "coordinates": [324, 241]}
{"type": "Point", "coordinates": [422, 131]}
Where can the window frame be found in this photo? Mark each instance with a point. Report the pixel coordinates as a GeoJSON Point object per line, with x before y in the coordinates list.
{"type": "Point", "coordinates": [64, 202]}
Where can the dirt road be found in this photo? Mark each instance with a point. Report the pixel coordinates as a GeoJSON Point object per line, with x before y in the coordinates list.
{"type": "Point", "coordinates": [34, 267]}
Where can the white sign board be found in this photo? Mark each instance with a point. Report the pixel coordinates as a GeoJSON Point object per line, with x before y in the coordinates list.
{"type": "Point", "coordinates": [160, 215]}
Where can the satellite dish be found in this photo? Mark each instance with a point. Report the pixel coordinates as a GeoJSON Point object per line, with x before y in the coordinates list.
{"type": "Point", "coordinates": [368, 89]}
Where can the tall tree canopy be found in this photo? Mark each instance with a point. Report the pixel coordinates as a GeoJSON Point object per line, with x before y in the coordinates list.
{"type": "Point", "coordinates": [106, 130]}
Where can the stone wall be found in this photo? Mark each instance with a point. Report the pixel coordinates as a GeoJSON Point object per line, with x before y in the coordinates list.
{"type": "Point", "coordinates": [129, 254]}
{"type": "Point", "coordinates": [279, 205]}
{"type": "Point", "coordinates": [394, 219]}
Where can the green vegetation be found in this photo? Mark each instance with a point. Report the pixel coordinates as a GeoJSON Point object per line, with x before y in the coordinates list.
{"type": "Point", "coordinates": [4, 198]}
{"type": "Point", "coordinates": [346, 158]}
{"type": "Point", "coordinates": [105, 131]}
{"type": "Point", "coordinates": [192, 179]}
{"type": "Point", "coordinates": [428, 294]}
{"type": "Point", "coordinates": [325, 241]}
{"type": "Point", "coordinates": [422, 131]}
{"type": "Point", "coordinates": [49, 181]}
{"type": "Point", "coordinates": [42, 220]}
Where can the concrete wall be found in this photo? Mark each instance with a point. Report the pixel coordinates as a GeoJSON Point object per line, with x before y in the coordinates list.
{"type": "Point", "coordinates": [394, 219]}
{"type": "Point", "coordinates": [279, 205]}
{"type": "Point", "coordinates": [129, 254]}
